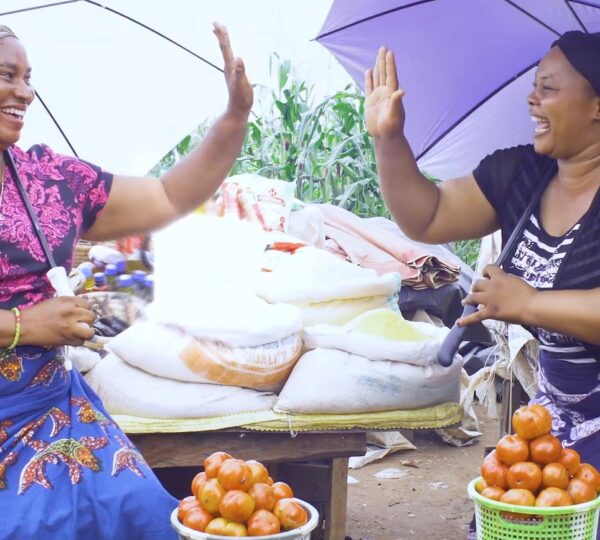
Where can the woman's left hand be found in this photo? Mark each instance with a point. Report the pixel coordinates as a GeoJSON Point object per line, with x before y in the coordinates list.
{"type": "Point", "coordinates": [499, 296]}
{"type": "Point", "coordinates": [241, 95]}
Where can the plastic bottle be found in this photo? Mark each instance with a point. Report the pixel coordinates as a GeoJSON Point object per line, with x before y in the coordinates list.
{"type": "Point", "coordinates": [125, 284]}
{"type": "Point", "coordinates": [102, 255]}
{"type": "Point", "coordinates": [138, 282]}
{"type": "Point", "coordinates": [100, 282]}
{"type": "Point", "coordinates": [121, 267]}
{"type": "Point", "coordinates": [112, 273]}
{"type": "Point", "coordinates": [87, 269]}
{"type": "Point", "coordinates": [149, 288]}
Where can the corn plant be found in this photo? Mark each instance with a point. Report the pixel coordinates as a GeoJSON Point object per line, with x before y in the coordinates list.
{"type": "Point", "coordinates": [322, 147]}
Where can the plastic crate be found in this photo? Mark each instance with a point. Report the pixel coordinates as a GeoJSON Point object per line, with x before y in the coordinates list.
{"type": "Point", "coordinates": [576, 522]}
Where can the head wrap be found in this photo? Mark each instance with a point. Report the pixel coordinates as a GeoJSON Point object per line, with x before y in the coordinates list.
{"type": "Point", "coordinates": [5, 31]}
{"type": "Point", "coordinates": [583, 53]}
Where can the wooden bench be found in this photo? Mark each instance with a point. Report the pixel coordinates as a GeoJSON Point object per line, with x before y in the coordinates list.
{"type": "Point", "coordinates": [314, 463]}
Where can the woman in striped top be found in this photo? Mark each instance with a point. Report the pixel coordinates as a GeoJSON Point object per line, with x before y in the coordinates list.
{"type": "Point", "coordinates": [552, 283]}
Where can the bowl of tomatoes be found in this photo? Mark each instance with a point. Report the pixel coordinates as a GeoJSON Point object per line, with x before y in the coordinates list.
{"type": "Point", "coordinates": [531, 486]}
{"type": "Point", "coordinates": [232, 498]}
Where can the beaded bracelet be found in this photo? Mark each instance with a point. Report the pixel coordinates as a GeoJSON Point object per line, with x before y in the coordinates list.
{"type": "Point", "coordinates": [15, 340]}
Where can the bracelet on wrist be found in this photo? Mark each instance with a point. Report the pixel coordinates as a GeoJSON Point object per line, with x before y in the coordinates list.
{"type": "Point", "coordinates": [15, 340]}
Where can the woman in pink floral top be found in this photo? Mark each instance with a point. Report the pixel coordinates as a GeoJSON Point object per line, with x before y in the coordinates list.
{"type": "Point", "coordinates": [66, 470]}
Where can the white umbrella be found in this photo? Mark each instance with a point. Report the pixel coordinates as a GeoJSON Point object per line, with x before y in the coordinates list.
{"type": "Point", "coordinates": [111, 88]}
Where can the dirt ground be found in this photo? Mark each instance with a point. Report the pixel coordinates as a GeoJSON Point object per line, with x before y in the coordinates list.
{"type": "Point", "coordinates": [430, 502]}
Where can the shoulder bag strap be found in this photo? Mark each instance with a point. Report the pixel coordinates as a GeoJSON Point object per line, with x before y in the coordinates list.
{"type": "Point", "coordinates": [34, 220]}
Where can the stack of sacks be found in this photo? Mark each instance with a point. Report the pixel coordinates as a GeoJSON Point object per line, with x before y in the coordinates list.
{"type": "Point", "coordinates": [376, 362]}
{"type": "Point", "coordinates": [324, 288]}
{"type": "Point", "coordinates": [205, 336]}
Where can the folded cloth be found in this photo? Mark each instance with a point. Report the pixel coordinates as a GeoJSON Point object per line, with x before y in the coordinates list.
{"type": "Point", "coordinates": [372, 244]}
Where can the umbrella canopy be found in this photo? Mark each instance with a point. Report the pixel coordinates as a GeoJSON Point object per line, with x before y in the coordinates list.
{"type": "Point", "coordinates": [111, 88]}
{"type": "Point", "coordinates": [466, 66]}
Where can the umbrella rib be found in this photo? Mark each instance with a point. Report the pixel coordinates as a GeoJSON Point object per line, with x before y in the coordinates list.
{"type": "Point", "coordinates": [131, 19]}
{"type": "Point", "coordinates": [533, 17]}
{"type": "Point", "coordinates": [53, 4]}
{"type": "Point", "coordinates": [375, 16]}
{"type": "Point", "coordinates": [56, 124]}
{"type": "Point", "coordinates": [473, 109]}
{"type": "Point", "coordinates": [574, 13]}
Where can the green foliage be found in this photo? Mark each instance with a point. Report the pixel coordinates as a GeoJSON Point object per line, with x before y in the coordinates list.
{"type": "Point", "coordinates": [324, 147]}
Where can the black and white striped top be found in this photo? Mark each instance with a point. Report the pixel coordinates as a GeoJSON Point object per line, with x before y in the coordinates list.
{"type": "Point", "coordinates": [537, 259]}
{"type": "Point", "coordinates": [509, 179]}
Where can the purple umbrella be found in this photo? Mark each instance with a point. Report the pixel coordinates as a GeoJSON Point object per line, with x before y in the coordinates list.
{"type": "Point", "coordinates": [466, 66]}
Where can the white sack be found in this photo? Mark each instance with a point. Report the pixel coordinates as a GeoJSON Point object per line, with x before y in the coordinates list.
{"type": "Point", "coordinates": [336, 312]}
{"type": "Point", "coordinates": [315, 275]}
{"type": "Point", "coordinates": [229, 314]}
{"type": "Point", "coordinates": [171, 353]}
{"type": "Point", "coordinates": [336, 382]}
{"type": "Point", "coordinates": [126, 390]}
{"type": "Point", "coordinates": [418, 353]}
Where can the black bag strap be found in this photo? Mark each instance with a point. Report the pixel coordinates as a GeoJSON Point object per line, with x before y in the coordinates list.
{"type": "Point", "coordinates": [8, 160]}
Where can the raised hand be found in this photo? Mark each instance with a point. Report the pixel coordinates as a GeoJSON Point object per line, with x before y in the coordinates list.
{"type": "Point", "coordinates": [59, 321]}
{"type": "Point", "coordinates": [384, 111]}
{"type": "Point", "coordinates": [241, 95]}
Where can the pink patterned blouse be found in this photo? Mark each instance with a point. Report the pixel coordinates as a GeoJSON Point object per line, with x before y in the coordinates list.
{"type": "Point", "coordinates": [67, 194]}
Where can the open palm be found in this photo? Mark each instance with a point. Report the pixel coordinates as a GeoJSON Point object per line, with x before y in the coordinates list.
{"type": "Point", "coordinates": [384, 112]}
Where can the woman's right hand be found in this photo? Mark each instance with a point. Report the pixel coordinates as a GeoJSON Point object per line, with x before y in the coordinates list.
{"type": "Point", "coordinates": [66, 320]}
{"type": "Point", "coordinates": [384, 112]}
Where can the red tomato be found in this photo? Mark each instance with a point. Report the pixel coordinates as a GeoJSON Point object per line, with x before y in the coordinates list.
{"type": "Point", "coordinates": [494, 471]}
{"type": "Point", "coordinates": [512, 449]}
{"type": "Point", "coordinates": [197, 519]}
{"type": "Point", "coordinates": [571, 460]}
{"type": "Point", "coordinates": [545, 449]}
{"type": "Point", "coordinates": [236, 505]}
{"type": "Point", "coordinates": [555, 475]}
{"type": "Point", "coordinates": [198, 482]}
{"type": "Point", "coordinates": [210, 495]}
{"type": "Point", "coordinates": [185, 505]}
{"type": "Point", "coordinates": [213, 462]}
{"type": "Point", "coordinates": [524, 475]}
{"type": "Point", "coordinates": [581, 491]}
{"type": "Point", "coordinates": [553, 497]}
{"type": "Point", "coordinates": [531, 421]}
{"type": "Point", "coordinates": [290, 513]}
{"type": "Point", "coordinates": [263, 496]}
{"type": "Point", "coordinates": [235, 474]}
{"type": "Point", "coordinates": [263, 523]}
{"type": "Point", "coordinates": [282, 491]}
{"type": "Point", "coordinates": [588, 473]}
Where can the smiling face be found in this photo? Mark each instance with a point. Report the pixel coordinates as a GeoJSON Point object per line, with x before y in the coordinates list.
{"type": "Point", "coordinates": [564, 107]}
{"type": "Point", "coordinates": [16, 92]}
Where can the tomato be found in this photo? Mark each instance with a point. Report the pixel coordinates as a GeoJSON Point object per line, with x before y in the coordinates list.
{"type": "Point", "coordinates": [494, 471]}
{"type": "Point", "coordinates": [263, 496]}
{"type": "Point", "coordinates": [480, 484]}
{"type": "Point", "coordinates": [259, 472]}
{"type": "Point", "coordinates": [531, 421]}
{"type": "Point", "coordinates": [493, 492]}
{"type": "Point", "coordinates": [512, 449]}
{"type": "Point", "coordinates": [236, 505]}
{"type": "Point", "coordinates": [290, 513]}
{"type": "Point", "coordinates": [588, 473]}
{"type": "Point", "coordinates": [571, 460]}
{"type": "Point", "coordinates": [553, 497]}
{"type": "Point", "coordinates": [269, 481]}
{"type": "Point", "coordinates": [282, 491]}
{"type": "Point", "coordinates": [520, 497]}
{"type": "Point", "coordinates": [545, 449]}
{"type": "Point", "coordinates": [186, 504]}
{"type": "Point", "coordinates": [213, 462]}
{"type": "Point", "coordinates": [524, 475]}
{"type": "Point", "coordinates": [197, 519]}
{"type": "Point", "coordinates": [235, 474]}
{"type": "Point", "coordinates": [555, 475]}
{"type": "Point", "coordinates": [198, 482]}
{"type": "Point", "coordinates": [221, 526]}
{"type": "Point", "coordinates": [262, 523]}
{"type": "Point", "coordinates": [581, 491]}
{"type": "Point", "coordinates": [210, 495]}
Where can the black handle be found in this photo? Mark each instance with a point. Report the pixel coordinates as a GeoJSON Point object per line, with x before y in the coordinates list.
{"type": "Point", "coordinates": [453, 339]}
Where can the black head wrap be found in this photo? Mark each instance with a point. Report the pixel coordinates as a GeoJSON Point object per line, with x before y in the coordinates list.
{"type": "Point", "coordinates": [583, 52]}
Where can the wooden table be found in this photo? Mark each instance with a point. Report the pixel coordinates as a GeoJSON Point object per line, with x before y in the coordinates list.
{"type": "Point", "coordinates": [315, 464]}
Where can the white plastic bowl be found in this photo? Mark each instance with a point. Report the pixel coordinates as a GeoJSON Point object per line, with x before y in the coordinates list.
{"type": "Point", "coordinates": [301, 533]}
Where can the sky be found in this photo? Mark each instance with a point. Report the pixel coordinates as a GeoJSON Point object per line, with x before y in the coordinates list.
{"type": "Point", "coordinates": [125, 97]}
